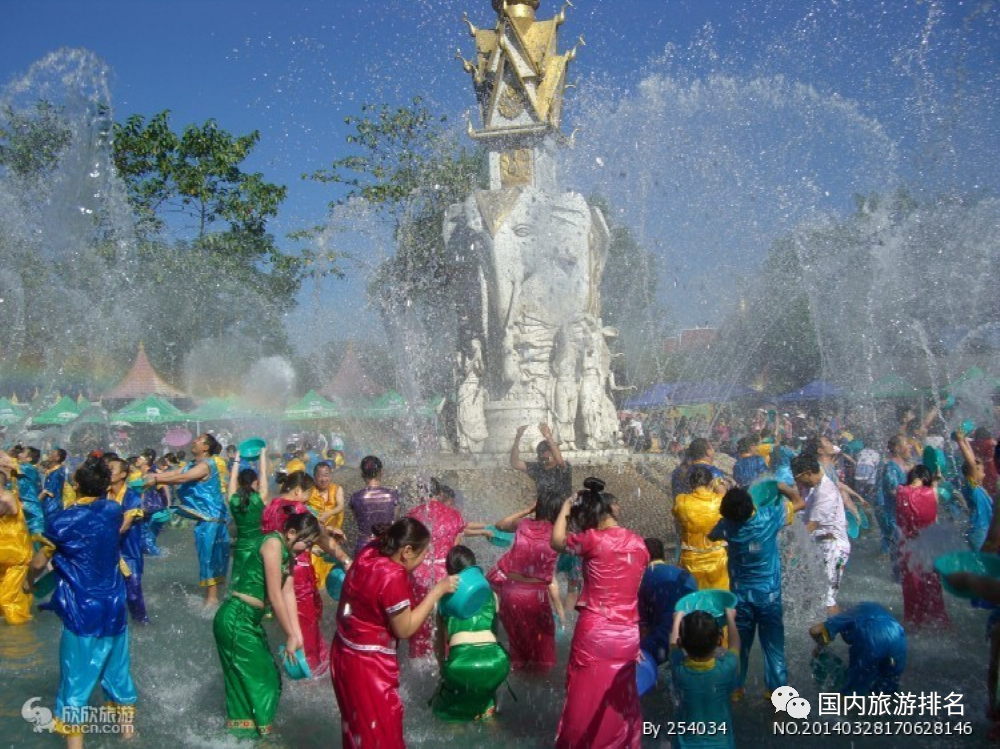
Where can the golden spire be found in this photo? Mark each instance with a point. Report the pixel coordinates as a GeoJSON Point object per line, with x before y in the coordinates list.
{"type": "Point", "coordinates": [519, 73]}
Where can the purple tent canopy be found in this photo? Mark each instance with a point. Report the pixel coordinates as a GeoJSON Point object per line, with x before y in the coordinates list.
{"type": "Point", "coordinates": [686, 394]}
{"type": "Point", "coordinates": [814, 391]}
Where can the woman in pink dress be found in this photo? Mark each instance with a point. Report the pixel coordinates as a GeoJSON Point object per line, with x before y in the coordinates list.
{"type": "Point", "coordinates": [523, 576]}
{"type": "Point", "coordinates": [916, 508]}
{"type": "Point", "coordinates": [446, 524]}
{"type": "Point", "coordinates": [602, 701]}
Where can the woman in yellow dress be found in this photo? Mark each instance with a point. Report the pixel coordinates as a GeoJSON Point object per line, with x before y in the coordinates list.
{"type": "Point", "coordinates": [327, 503]}
{"type": "Point", "coordinates": [15, 548]}
{"type": "Point", "coordinates": [697, 514]}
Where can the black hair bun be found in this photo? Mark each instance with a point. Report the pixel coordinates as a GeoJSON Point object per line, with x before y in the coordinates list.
{"type": "Point", "coordinates": [594, 484]}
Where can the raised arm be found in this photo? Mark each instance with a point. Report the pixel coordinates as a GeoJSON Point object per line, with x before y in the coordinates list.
{"type": "Point", "coordinates": [263, 483]}
{"type": "Point", "coordinates": [546, 431]}
{"type": "Point", "coordinates": [558, 540]}
{"type": "Point", "coordinates": [233, 478]}
{"type": "Point", "coordinates": [510, 522]}
{"type": "Point", "coordinates": [515, 451]}
{"type": "Point", "coordinates": [963, 444]}
{"type": "Point", "coordinates": [198, 472]}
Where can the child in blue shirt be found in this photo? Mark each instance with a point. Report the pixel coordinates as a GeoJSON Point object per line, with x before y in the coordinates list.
{"type": "Point", "coordinates": [662, 586]}
{"type": "Point", "coordinates": [704, 678]}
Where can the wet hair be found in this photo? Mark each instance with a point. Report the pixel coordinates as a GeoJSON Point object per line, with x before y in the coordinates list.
{"type": "Point", "coordinates": [895, 442]}
{"type": "Point", "coordinates": [811, 446]}
{"type": "Point", "coordinates": [700, 475]}
{"type": "Point", "coordinates": [214, 446]}
{"type": "Point", "coordinates": [404, 532]}
{"type": "Point", "coordinates": [737, 505]}
{"type": "Point", "coordinates": [322, 464]}
{"type": "Point", "coordinates": [698, 449]}
{"type": "Point", "coordinates": [459, 558]}
{"type": "Point", "coordinates": [297, 480]}
{"type": "Point", "coordinates": [542, 447]}
{"type": "Point", "coordinates": [60, 453]}
{"type": "Point", "coordinates": [920, 473]}
{"type": "Point", "coordinates": [700, 634]}
{"type": "Point", "coordinates": [805, 463]}
{"type": "Point", "coordinates": [655, 548]}
{"type": "Point", "coordinates": [32, 455]}
{"type": "Point", "coordinates": [744, 445]}
{"type": "Point", "coordinates": [371, 467]}
{"type": "Point", "coordinates": [244, 487]}
{"type": "Point", "coordinates": [969, 469]}
{"type": "Point", "coordinates": [304, 524]}
{"type": "Point", "coordinates": [446, 491]}
{"type": "Point", "coordinates": [592, 505]}
{"type": "Point", "coordinates": [92, 478]}
{"type": "Point", "coordinates": [548, 507]}
{"type": "Point", "coordinates": [120, 462]}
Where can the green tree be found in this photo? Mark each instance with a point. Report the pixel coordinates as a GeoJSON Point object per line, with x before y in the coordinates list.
{"type": "Point", "coordinates": [31, 143]}
{"type": "Point", "coordinates": [630, 303]}
{"type": "Point", "coordinates": [203, 222]}
{"type": "Point", "coordinates": [410, 168]}
{"type": "Point", "coordinates": [194, 175]}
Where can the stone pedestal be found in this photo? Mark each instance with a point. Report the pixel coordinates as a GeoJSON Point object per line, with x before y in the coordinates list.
{"type": "Point", "coordinates": [503, 417]}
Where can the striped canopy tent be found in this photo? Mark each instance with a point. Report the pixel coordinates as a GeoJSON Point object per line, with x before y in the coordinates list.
{"type": "Point", "coordinates": [11, 413]}
{"type": "Point", "coordinates": [150, 410]}
{"type": "Point", "coordinates": [312, 407]}
{"type": "Point", "coordinates": [142, 380]}
{"type": "Point", "coordinates": [351, 384]}
{"type": "Point", "coordinates": [63, 412]}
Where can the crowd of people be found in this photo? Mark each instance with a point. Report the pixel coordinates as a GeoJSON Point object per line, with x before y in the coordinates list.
{"type": "Point", "coordinates": [91, 528]}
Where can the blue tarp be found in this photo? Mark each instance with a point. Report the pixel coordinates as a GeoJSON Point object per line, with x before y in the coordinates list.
{"type": "Point", "coordinates": [815, 390]}
{"type": "Point", "coordinates": [686, 394]}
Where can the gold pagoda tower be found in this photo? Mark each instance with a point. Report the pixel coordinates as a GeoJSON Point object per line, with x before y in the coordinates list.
{"type": "Point", "coordinates": [519, 77]}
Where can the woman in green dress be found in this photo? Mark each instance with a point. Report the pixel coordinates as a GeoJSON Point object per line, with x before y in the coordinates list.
{"type": "Point", "coordinates": [476, 665]}
{"type": "Point", "coordinates": [252, 679]}
{"type": "Point", "coordinates": [247, 500]}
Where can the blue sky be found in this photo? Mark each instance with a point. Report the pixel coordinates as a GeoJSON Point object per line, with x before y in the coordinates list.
{"type": "Point", "coordinates": [923, 75]}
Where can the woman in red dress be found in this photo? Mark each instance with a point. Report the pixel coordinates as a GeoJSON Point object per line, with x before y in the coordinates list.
{"type": "Point", "coordinates": [916, 508]}
{"type": "Point", "coordinates": [376, 611]}
{"type": "Point", "coordinates": [602, 700]}
{"type": "Point", "coordinates": [446, 524]}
